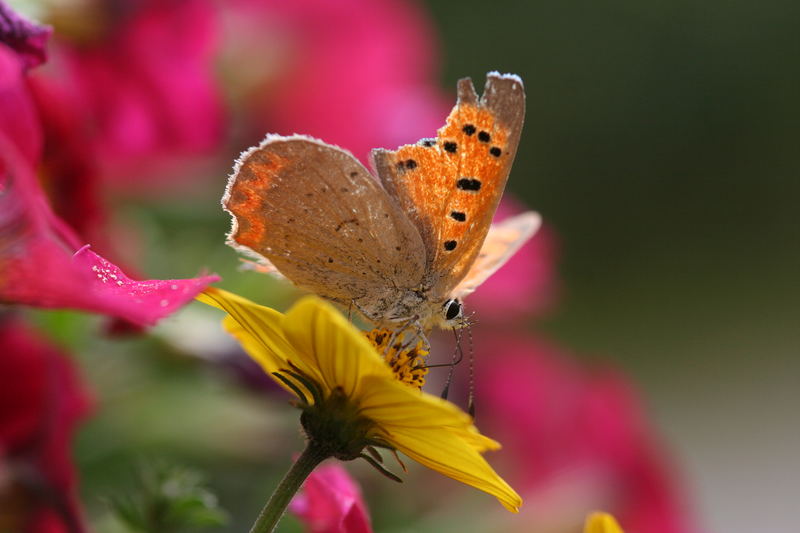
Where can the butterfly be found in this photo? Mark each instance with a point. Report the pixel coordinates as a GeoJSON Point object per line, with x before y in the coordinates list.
{"type": "Point", "coordinates": [404, 246]}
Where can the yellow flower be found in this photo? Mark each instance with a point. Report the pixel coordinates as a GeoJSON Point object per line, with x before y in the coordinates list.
{"type": "Point", "coordinates": [351, 399]}
{"type": "Point", "coordinates": [601, 523]}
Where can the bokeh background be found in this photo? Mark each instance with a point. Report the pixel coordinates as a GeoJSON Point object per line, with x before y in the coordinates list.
{"type": "Point", "coordinates": [660, 143]}
{"type": "Point", "coordinates": [660, 147]}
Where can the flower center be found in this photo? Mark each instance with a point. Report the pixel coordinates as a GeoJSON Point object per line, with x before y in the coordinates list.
{"type": "Point", "coordinates": [407, 362]}
{"type": "Point", "coordinates": [335, 426]}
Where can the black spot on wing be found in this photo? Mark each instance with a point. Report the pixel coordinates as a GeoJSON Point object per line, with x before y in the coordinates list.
{"type": "Point", "coordinates": [469, 184]}
{"type": "Point", "coordinates": [408, 164]}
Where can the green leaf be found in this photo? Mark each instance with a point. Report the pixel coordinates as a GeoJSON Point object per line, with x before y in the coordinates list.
{"type": "Point", "coordinates": [168, 498]}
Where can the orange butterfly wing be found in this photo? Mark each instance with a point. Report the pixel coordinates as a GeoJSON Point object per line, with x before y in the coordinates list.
{"type": "Point", "coordinates": [450, 186]}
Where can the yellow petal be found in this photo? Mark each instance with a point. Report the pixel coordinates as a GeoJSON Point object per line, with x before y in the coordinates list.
{"type": "Point", "coordinates": [263, 323]}
{"type": "Point", "coordinates": [402, 406]}
{"type": "Point", "coordinates": [480, 442]}
{"type": "Point", "coordinates": [393, 402]}
{"type": "Point", "coordinates": [434, 433]}
{"type": "Point", "coordinates": [257, 328]}
{"type": "Point", "coordinates": [326, 341]}
{"type": "Point", "coordinates": [266, 358]}
{"type": "Point", "coordinates": [601, 523]}
{"type": "Point", "coordinates": [268, 361]}
{"type": "Point", "coordinates": [450, 455]}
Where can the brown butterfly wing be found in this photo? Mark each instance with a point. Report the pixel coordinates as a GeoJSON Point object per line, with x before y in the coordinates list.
{"type": "Point", "coordinates": [450, 186]}
{"type": "Point", "coordinates": [316, 214]}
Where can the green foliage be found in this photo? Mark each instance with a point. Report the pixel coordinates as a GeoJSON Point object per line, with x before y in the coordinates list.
{"type": "Point", "coordinates": [168, 499]}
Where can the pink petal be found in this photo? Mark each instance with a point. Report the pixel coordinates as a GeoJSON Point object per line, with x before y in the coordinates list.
{"type": "Point", "coordinates": [42, 274]}
{"type": "Point", "coordinates": [143, 302]}
{"type": "Point", "coordinates": [25, 37]}
{"type": "Point", "coordinates": [331, 502]}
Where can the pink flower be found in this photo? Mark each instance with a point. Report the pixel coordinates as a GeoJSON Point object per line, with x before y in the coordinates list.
{"type": "Point", "coordinates": [331, 502]}
{"type": "Point", "coordinates": [562, 425]}
{"type": "Point", "coordinates": [41, 400]}
{"type": "Point", "coordinates": [40, 260]}
{"type": "Point", "coordinates": [25, 37]}
{"type": "Point", "coordinates": [356, 73]}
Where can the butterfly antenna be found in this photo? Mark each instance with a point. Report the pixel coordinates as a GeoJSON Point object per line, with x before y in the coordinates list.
{"type": "Point", "coordinates": [471, 396]}
{"type": "Point", "coordinates": [458, 355]}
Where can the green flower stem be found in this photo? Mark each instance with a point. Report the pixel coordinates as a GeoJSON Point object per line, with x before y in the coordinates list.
{"type": "Point", "coordinates": [272, 512]}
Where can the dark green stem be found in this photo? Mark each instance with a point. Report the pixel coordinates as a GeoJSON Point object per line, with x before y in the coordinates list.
{"type": "Point", "coordinates": [272, 512]}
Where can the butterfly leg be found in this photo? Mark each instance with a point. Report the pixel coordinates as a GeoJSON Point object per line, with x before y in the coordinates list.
{"type": "Point", "coordinates": [471, 394]}
{"type": "Point", "coordinates": [458, 355]}
{"type": "Point", "coordinates": [419, 334]}
{"type": "Point", "coordinates": [399, 333]}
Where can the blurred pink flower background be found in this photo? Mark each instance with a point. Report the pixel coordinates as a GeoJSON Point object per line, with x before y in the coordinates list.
{"type": "Point", "coordinates": [574, 437]}
{"type": "Point", "coordinates": [137, 97]}
{"type": "Point", "coordinates": [358, 74]}
{"type": "Point", "coordinates": [43, 264]}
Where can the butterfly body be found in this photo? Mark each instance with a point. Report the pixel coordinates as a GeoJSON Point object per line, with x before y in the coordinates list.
{"type": "Point", "coordinates": [396, 248]}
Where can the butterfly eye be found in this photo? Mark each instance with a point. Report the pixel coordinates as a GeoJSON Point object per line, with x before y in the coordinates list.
{"type": "Point", "coordinates": [452, 309]}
